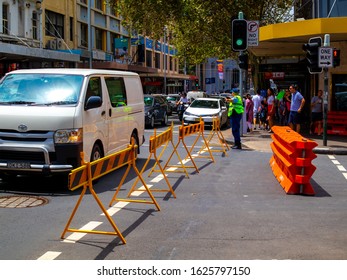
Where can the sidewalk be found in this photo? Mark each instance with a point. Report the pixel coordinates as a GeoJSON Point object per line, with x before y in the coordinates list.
{"type": "Point", "coordinates": [260, 140]}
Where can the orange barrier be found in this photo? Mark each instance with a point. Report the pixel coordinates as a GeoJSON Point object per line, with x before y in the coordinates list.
{"type": "Point", "coordinates": [291, 162]}
{"type": "Point", "coordinates": [185, 131]}
{"type": "Point", "coordinates": [83, 177]}
{"type": "Point", "coordinates": [156, 142]}
{"type": "Point", "coordinates": [337, 123]}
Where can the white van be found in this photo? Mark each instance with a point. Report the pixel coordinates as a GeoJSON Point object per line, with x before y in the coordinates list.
{"type": "Point", "coordinates": [49, 116]}
{"type": "Point", "coordinates": [194, 94]}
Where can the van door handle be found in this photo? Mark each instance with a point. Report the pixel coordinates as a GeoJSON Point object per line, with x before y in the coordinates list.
{"type": "Point", "coordinates": [110, 112]}
{"type": "Point", "coordinates": [103, 113]}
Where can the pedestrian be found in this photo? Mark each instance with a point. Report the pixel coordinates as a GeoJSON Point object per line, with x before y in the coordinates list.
{"type": "Point", "coordinates": [282, 110]}
{"type": "Point", "coordinates": [271, 108]}
{"type": "Point", "coordinates": [235, 114]}
{"type": "Point", "coordinates": [296, 106]}
{"type": "Point", "coordinates": [263, 115]}
{"type": "Point", "coordinates": [256, 108]}
{"type": "Point", "coordinates": [317, 113]}
{"type": "Point", "coordinates": [249, 112]}
{"type": "Point", "coordinates": [288, 101]}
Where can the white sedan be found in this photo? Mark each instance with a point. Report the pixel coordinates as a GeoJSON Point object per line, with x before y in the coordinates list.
{"type": "Point", "coordinates": [206, 108]}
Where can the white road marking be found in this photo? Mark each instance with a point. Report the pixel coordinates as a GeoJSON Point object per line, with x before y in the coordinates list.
{"type": "Point", "coordinates": [78, 235]}
{"type": "Point", "coordinates": [339, 166]}
{"type": "Point", "coordinates": [49, 255]}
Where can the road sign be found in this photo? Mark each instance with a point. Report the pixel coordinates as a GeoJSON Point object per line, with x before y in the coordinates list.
{"type": "Point", "coordinates": [325, 57]}
{"type": "Point", "coordinates": [253, 33]}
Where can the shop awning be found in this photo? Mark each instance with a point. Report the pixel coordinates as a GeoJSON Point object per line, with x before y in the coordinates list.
{"type": "Point", "coordinates": [286, 39]}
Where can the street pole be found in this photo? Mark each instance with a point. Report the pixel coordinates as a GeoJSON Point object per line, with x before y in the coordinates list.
{"type": "Point", "coordinates": [165, 66]}
{"type": "Point", "coordinates": [90, 35]}
{"type": "Point", "coordinates": [325, 98]}
{"type": "Point", "coordinates": [241, 84]}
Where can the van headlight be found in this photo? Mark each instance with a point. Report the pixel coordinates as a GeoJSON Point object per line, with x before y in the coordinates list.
{"type": "Point", "coordinates": [64, 136]}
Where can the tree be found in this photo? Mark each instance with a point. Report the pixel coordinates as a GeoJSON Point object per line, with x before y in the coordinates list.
{"type": "Point", "coordinates": [198, 28]}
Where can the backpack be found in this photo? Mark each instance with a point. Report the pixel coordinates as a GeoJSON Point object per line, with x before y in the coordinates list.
{"type": "Point", "coordinates": [263, 114]}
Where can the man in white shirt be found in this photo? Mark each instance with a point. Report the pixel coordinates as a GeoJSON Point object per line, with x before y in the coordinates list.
{"type": "Point", "coordinates": [256, 109]}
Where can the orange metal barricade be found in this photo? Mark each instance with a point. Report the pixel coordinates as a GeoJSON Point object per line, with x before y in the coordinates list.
{"type": "Point", "coordinates": [83, 177]}
{"type": "Point", "coordinates": [291, 162]}
{"type": "Point", "coordinates": [219, 146]}
{"type": "Point", "coordinates": [185, 131]}
{"type": "Point", "coordinates": [156, 142]}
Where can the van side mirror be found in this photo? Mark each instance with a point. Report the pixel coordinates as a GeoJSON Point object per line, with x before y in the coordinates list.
{"type": "Point", "coordinates": [93, 102]}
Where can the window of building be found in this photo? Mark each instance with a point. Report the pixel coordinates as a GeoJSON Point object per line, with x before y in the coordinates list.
{"type": "Point", "coordinates": [148, 58]}
{"type": "Point", "coordinates": [116, 91]}
{"type": "Point", "coordinates": [35, 24]}
{"type": "Point", "coordinates": [339, 93]}
{"type": "Point", "coordinates": [54, 24]}
{"type": "Point", "coordinates": [98, 4]}
{"type": "Point", "coordinates": [5, 23]}
{"type": "Point", "coordinates": [71, 28]}
{"type": "Point", "coordinates": [84, 1]}
{"type": "Point", "coordinates": [84, 35]}
{"type": "Point", "coordinates": [157, 60]}
{"type": "Point", "coordinates": [99, 34]}
{"type": "Point", "coordinates": [171, 63]}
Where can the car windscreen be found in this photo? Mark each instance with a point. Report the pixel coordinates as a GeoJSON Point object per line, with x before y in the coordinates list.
{"type": "Point", "coordinates": [208, 104]}
{"type": "Point", "coordinates": [40, 89]}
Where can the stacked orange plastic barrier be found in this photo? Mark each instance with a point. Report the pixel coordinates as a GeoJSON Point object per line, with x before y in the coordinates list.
{"type": "Point", "coordinates": [292, 158]}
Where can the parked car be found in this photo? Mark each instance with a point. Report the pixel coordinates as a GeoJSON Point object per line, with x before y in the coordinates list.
{"type": "Point", "coordinates": [156, 110]}
{"type": "Point", "coordinates": [206, 108]}
{"type": "Point", "coordinates": [173, 99]}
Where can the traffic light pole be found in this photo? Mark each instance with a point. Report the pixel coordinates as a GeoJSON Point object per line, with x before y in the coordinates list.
{"type": "Point", "coordinates": [325, 106]}
{"type": "Point", "coordinates": [240, 78]}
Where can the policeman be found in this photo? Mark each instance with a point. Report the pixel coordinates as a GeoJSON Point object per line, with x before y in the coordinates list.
{"type": "Point", "coordinates": [235, 115]}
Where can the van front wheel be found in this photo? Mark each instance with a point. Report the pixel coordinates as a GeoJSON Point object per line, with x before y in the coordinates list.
{"type": "Point", "coordinates": [134, 139]}
{"type": "Point", "coordinates": [96, 153]}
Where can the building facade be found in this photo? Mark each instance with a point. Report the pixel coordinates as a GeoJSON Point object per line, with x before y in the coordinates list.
{"type": "Point", "coordinates": [83, 33]}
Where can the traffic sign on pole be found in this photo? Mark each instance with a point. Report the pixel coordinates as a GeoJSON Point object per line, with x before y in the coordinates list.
{"type": "Point", "coordinates": [325, 57]}
{"type": "Point", "coordinates": [253, 33]}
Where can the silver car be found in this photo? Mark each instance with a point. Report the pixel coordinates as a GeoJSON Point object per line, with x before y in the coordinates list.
{"type": "Point", "coordinates": [207, 109]}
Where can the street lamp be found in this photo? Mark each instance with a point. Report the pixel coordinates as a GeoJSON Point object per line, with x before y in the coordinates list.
{"type": "Point", "coordinates": [164, 52]}
{"type": "Point", "coordinates": [90, 34]}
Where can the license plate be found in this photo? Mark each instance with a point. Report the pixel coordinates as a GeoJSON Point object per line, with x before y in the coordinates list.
{"type": "Point", "coordinates": [18, 165]}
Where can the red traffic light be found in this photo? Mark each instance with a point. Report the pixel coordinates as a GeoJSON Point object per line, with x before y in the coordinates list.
{"type": "Point", "coordinates": [336, 57]}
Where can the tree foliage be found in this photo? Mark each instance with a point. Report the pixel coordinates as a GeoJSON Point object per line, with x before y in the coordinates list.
{"type": "Point", "coordinates": [198, 28]}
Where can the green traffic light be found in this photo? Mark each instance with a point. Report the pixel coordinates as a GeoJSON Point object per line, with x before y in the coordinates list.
{"type": "Point", "coordinates": [239, 42]}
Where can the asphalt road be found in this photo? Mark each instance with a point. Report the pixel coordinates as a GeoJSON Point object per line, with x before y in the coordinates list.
{"type": "Point", "coordinates": [232, 209]}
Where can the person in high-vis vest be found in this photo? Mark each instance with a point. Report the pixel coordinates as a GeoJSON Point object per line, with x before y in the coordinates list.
{"type": "Point", "coordinates": [235, 115]}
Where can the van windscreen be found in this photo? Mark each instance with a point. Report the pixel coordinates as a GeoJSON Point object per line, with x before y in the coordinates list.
{"type": "Point", "coordinates": [40, 89]}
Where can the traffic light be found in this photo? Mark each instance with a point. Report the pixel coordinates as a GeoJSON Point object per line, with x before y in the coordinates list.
{"type": "Point", "coordinates": [243, 61]}
{"type": "Point", "coordinates": [239, 35]}
{"type": "Point", "coordinates": [197, 82]}
{"type": "Point", "coordinates": [311, 49]}
{"type": "Point", "coordinates": [336, 57]}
